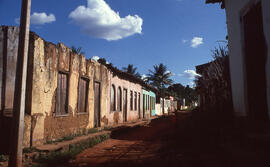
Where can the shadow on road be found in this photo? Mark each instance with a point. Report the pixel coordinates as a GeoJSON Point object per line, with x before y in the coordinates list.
{"type": "Point", "coordinates": [184, 140]}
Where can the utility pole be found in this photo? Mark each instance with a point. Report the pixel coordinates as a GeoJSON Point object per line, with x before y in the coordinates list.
{"type": "Point", "coordinates": [15, 158]}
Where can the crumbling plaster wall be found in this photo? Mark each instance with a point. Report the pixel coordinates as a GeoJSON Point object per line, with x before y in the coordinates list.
{"type": "Point", "coordinates": [101, 76]}
{"type": "Point", "coordinates": [48, 60]}
{"type": "Point", "coordinates": [45, 60]}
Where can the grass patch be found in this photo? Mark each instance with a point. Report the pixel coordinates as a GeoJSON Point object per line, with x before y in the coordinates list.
{"type": "Point", "coordinates": [107, 128]}
{"type": "Point", "coordinates": [72, 136]}
{"type": "Point", "coordinates": [57, 158]}
{"type": "Point", "coordinates": [30, 150]}
{"type": "Point", "coordinates": [93, 130]}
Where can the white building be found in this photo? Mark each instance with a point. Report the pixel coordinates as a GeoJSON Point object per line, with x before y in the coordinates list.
{"type": "Point", "coordinates": [248, 24]}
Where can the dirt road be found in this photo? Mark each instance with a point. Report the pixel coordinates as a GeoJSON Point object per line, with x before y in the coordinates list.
{"type": "Point", "coordinates": [136, 146]}
{"type": "Point", "coordinates": [183, 141]}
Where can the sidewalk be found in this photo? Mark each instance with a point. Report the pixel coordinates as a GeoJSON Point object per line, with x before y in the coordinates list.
{"type": "Point", "coordinates": [64, 145]}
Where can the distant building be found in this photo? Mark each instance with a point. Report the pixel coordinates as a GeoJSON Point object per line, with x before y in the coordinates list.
{"type": "Point", "coordinates": [248, 23]}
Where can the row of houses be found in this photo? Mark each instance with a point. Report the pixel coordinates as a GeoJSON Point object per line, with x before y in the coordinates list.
{"type": "Point", "coordinates": [67, 93]}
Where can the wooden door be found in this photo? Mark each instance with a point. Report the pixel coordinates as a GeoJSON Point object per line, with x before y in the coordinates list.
{"type": "Point", "coordinates": [150, 105]}
{"type": "Point", "coordinates": [139, 105]}
{"type": "Point", "coordinates": [125, 105]}
{"type": "Point", "coordinates": [144, 106]}
{"type": "Point", "coordinates": [82, 95]}
{"type": "Point", "coordinates": [61, 96]}
{"type": "Point", "coordinates": [97, 105]}
{"type": "Point", "coordinates": [255, 62]}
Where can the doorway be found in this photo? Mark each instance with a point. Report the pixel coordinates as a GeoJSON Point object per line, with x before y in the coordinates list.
{"type": "Point", "coordinates": [125, 105]}
{"type": "Point", "coordinates": [97, 105]}
{"type": "Point", "coordinates": [144, 106]}
{"type": "Point", "coordinates": [139, 105]}
{"type": "Point", "coordinates": [255, 50]}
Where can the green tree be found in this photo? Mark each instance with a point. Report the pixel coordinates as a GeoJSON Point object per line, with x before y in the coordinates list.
{"type": "Point", "coordinates": [183, 92]}
{"type": "Point", "coordinates": [160, 77]}
{"type": "Point", "coordinates": [77, 50]}
{"type": "Point", "coordinates": [132, 70]}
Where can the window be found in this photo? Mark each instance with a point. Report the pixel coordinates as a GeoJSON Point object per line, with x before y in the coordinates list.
{"type": "Point", "coordinates": [131, 100]}
{"type": "Point", "coordinates": [61, 94]}
{"type": "Point", "coordinates": [83, 95]}
{"type": "Point", "coordinates": [148, 102]}
{"type": "Point", "coordinates": [113, 107]}
{"type": "Point", "coordinates": [119, 99]}
{"type": "Point", "coordinates": [135, 100]}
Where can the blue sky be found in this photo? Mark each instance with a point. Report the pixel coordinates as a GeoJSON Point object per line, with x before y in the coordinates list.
{"type": "Point", "coordinates": [178, 33]}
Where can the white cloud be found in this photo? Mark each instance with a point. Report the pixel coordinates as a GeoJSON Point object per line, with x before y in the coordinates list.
{"type": "Point", "coordinates": [189, 74]}
{"type": "Point", "coordinates": [39, 18]}
{"type": "Point", "coordinates": [184, 41]}
{"type": "Point", "coordinates": [143, 77]}
{"type": "Point", "coordinates": [172, 74]}
{"type": "Point", "coordinates": [100, 21]}
{"type": "Point", "coordinates": [192, 84]}
{"type": "Point", "coordinates": [96, 58]}
{"type": "Point", "coordinates": [196, 41]}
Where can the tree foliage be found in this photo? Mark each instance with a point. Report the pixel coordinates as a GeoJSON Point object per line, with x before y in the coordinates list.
{"type": "Point", "coordinates": [160, 77]}
{"type": "Point", "coordinates": [77, 50]}
{"type": "Point", "coordinates": [183, 92]}
{"type": "Point", "coordinates": [131, 70]}
{"type": "Point", "coordinates": [215, 81]}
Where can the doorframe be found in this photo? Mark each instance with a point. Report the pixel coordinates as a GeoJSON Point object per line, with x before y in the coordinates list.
{"type": "Point", "coordinates": [242, 13]}
{"type": "Point", "coordinates": [99, 117]}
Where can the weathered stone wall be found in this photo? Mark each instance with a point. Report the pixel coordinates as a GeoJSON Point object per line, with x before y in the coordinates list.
{"type": "Point", "coordinates": [100, 74]}
{"type": "Point", "coordinates": [45, 60]}
{"type": "Point", "coordinates": [48, 60]}
{"type": "Point", "coordinates": [117, 116]}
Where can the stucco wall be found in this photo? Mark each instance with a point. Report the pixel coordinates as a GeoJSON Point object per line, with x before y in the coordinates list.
{"type": "Point", "coordinates": [158, 109]}
{"type": "Point", "coordinates": [115, 117]}
{"type": "Point", "coordinates": [99, 74]}
{"type": "Point", "coordinates": [48, 60]}
{"type": "Point", "coordinates": [233, 13]}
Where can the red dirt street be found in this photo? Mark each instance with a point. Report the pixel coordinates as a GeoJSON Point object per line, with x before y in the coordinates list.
{"type": "Point", "coordinates": [156, 144]}
{"type": "Point", "coordinates": [188, 140]}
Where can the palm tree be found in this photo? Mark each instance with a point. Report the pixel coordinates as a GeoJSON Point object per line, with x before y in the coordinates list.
{"type": "Point", "coordinates": [131, 70]}
{"type": "Point", "coordinates": [77, 50]}
{"type": "Point", "coordinates": [160, 77]}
